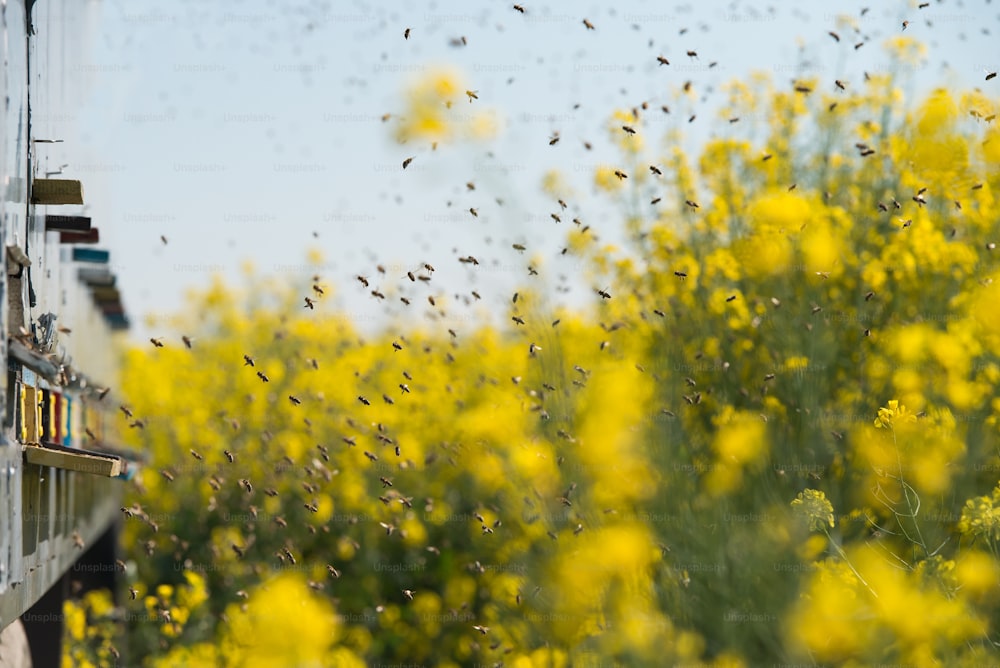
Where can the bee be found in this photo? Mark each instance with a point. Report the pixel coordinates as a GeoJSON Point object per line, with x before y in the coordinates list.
{"type": "Point", "coordinates": [407, 376]}
{"type": "Point", "coordinates": [388, 399]}
{"type": "Point", "coordinates": [605, 345]}
{"type": "Point", "coordinates": [406, 163]}
{"type": "Point", "coordinates": [554, 139]}
{"type": "Point", "coordinates": [472, 95]}
{"type": "Point", "coordinates": [867, 152]}
{"type": "Point", "coordinates": [691, 203]}
{"type": "Point", "coordinates": [792, 187]}
{"type": "Point", "coordinates": [385, 482]}
{"type": "Point", "coordinates": [474, 212]}
{"type": "Point", "coordinates": [730, 298]}
{"type": "Point", "coordinates": [310, 304]}
{"type": "Point", "coordinates": [655, 170]}
{"type": "Point", "coordinates": [905, 23]}
{"type": "Point", "coordinates": [868, 332]}
{"type": "Point", "coordinates": [376, 293]}
{"type": "Point", "coordinates": [263, 377]}
{"type": "Point", "coordinates": [295, 400]}
{"type": "Point", "coordinates": [364, 401]}
{"type": "Point", "coordinates": [157, 342]}
{"type": "Point", "coordinates": [405, 300]}
{"type": "Point", "coordinates": [816, 309]}
{"type": "Point", "coordinates": [800, 88]}
{"type": "Point", "coordinates": [588, 24]}
{"type": "Point", "coordinates": [555, 217]}
{"type": "Point", "coordinates": [680, 274]}
{"type": "Point", "coordinates": [620, 174]}
{"type": "Point", "coordinates": [197, 456]}
{"type": "Point", "coordinates": [229, 456]}
{"type": "Point", "coordinates": [604, 294]}
{"type": "Point", "coordinates": [430, 299]}
{"type": "Point", "coordinates": [655, 200]}
{"type": "Point", "coordinates": [333, 571]}
{"type": "Point", "coordinates": [532, 349]}
{"type": "Point", "coordinates": [991, 75]}
{"type": "Point", "coordinates": [659, 313]}
{"type": "Point", "coordinates": [318, 290]}
{"type": "Point", "coordinates": [518, 247]}
{"type": "Point", "coordinates": [406, 34]}
{"type": "Point", "coordinates": [562, 203]}
{"type": "Point", "coordinates": [858, 45]}
{"type": "Point", "coordinates": [133, 592]}
{"type": "Point", "coordinates": [663, 61]}
{"type": "Point", "coordinates": [514, 300]}
{"type": "Point", "coordinates": [125, 409]}
{"type": "Point", "coordinates": [628, 129]}
{"type": "Point", "coordinates": [769, 376]}
{"type": "Point", "coordinates": [363, 280]}
{"type": "Point", "coordinates": [103, 393]}
{"type": "Point", "coordinates": [167, 474]}
{"type": "Point", "coordinates": [245, 484]}
{"type": "Point", "coordinates": [187, 341]}
{"type": "Point", "coordinates": [919, 200]}
{"type": "Point", "coordinates": [692, 54]}
{"type": "Point", "coordinates": [834, 35]}
{"type": "Point", "coordinates": [311, 507]}
{"type": "Point", "coordinates": [518, 319]}
{"type": "Point", "coordinates": [270, 491]}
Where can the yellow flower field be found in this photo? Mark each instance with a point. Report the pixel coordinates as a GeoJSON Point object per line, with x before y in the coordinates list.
{"type": "Point", "coordinates": [776, 440]}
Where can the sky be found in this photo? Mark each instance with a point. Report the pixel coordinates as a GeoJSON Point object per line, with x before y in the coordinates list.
{"type": "Point", "coordinates": [248, 133]}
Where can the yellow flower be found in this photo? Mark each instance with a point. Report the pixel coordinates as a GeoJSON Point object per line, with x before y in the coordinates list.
{"type": "Point", "coordinates": [892, 414]}
{"type": "Point", "coordinates": [813, 504]}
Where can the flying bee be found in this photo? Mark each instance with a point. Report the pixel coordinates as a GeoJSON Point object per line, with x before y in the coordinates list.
{"type": "Point", "coordinates": [834, 35]}
{"type": "Point", "coordinates": [124, 409]}
{"type": "Point", "coordinates": [197, 456]}
{"type": "Point", "coordinates": [363, 280]}
{"type": "Point", "coordinates": [620, 174]}
{"type": "Point", "coordinates": [472, 95]}
{"type": "Point", "coordinates": [588, 24]}
{"type": "Point", "coordinates": [229, 456]}
{"type": "Point", "coordinates": [730, 298]}
{"type": "Point", "coordinates": [410, 276]}
{"type": "Point", "coordinates": [187, 341]}
{"type": "Point", "coordinates": [406, 163]}
{"type": "Point", "coordinates": [869, 296]}
{"type": "Point", "coordinates": [364, 401]}
{"type": "Point", "coordinates": [991, 75]}
{"type": "Point", "coordinates": [692, 54]}
{"type": "Point", "coordinates": [157, 342]}
{"type": "Point", "coordinates": [692, 204]}
{"type": "Point", "coordinates": [839, 84]}
{"type": "Point", "coordinates": [554, 139]}
{"type": "Point", "coordinates": [406, 34]}
{"type": "Point", "coordinates": [474, 212]}
{"type": "Point", "coordinates": [629, 130]}
{"type": "Point", "coordinates": [263, 377]}
{"type": "Point", "coordinates": [655, 170]}
{"type": "Point", "coordinates": [769, 376]}
{"type": "Point", "coordinates": [514, 300]}
{"type": "Point", "coordinates": [168, 475]}
{"type": "Point", "coordinates": [245, 484]}
{"type": "Point", "coordinates": [405, 300]}
{"type": "Point", "coordinates": [388, 399]}
{"type": "Point", "coordinates": [663, 61]}
{"type": "Point", "coordinates": [518, 320]}
{"type": "Point", "coordinates": [604, 293]}
{"type": "Point", "coordinates": [103, 393]}
{"type": "Point", "coordinates": [680, 274]}
{"type": "Point", "coordinates": [295, 400]}
{"type": "Point", "coordinates": [396, 346]}
{"type": "Point", "coordinates": [430, 298]}
{"type": "Point", "coordinates": [376, 293]}
{"type": "Point", "coordinates": [404, 387]}
{"type": "Point", "coordinates": [385, 482]}
{"type": "Point", "coordinates": [519, 247]}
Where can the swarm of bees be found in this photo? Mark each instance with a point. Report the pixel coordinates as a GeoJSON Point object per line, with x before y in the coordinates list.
{"type": "Point", "coordinates": [371, 438]}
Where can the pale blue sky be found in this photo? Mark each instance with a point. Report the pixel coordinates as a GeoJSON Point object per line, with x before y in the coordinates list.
{"type": "Point", "coordinates": [237, 129]}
